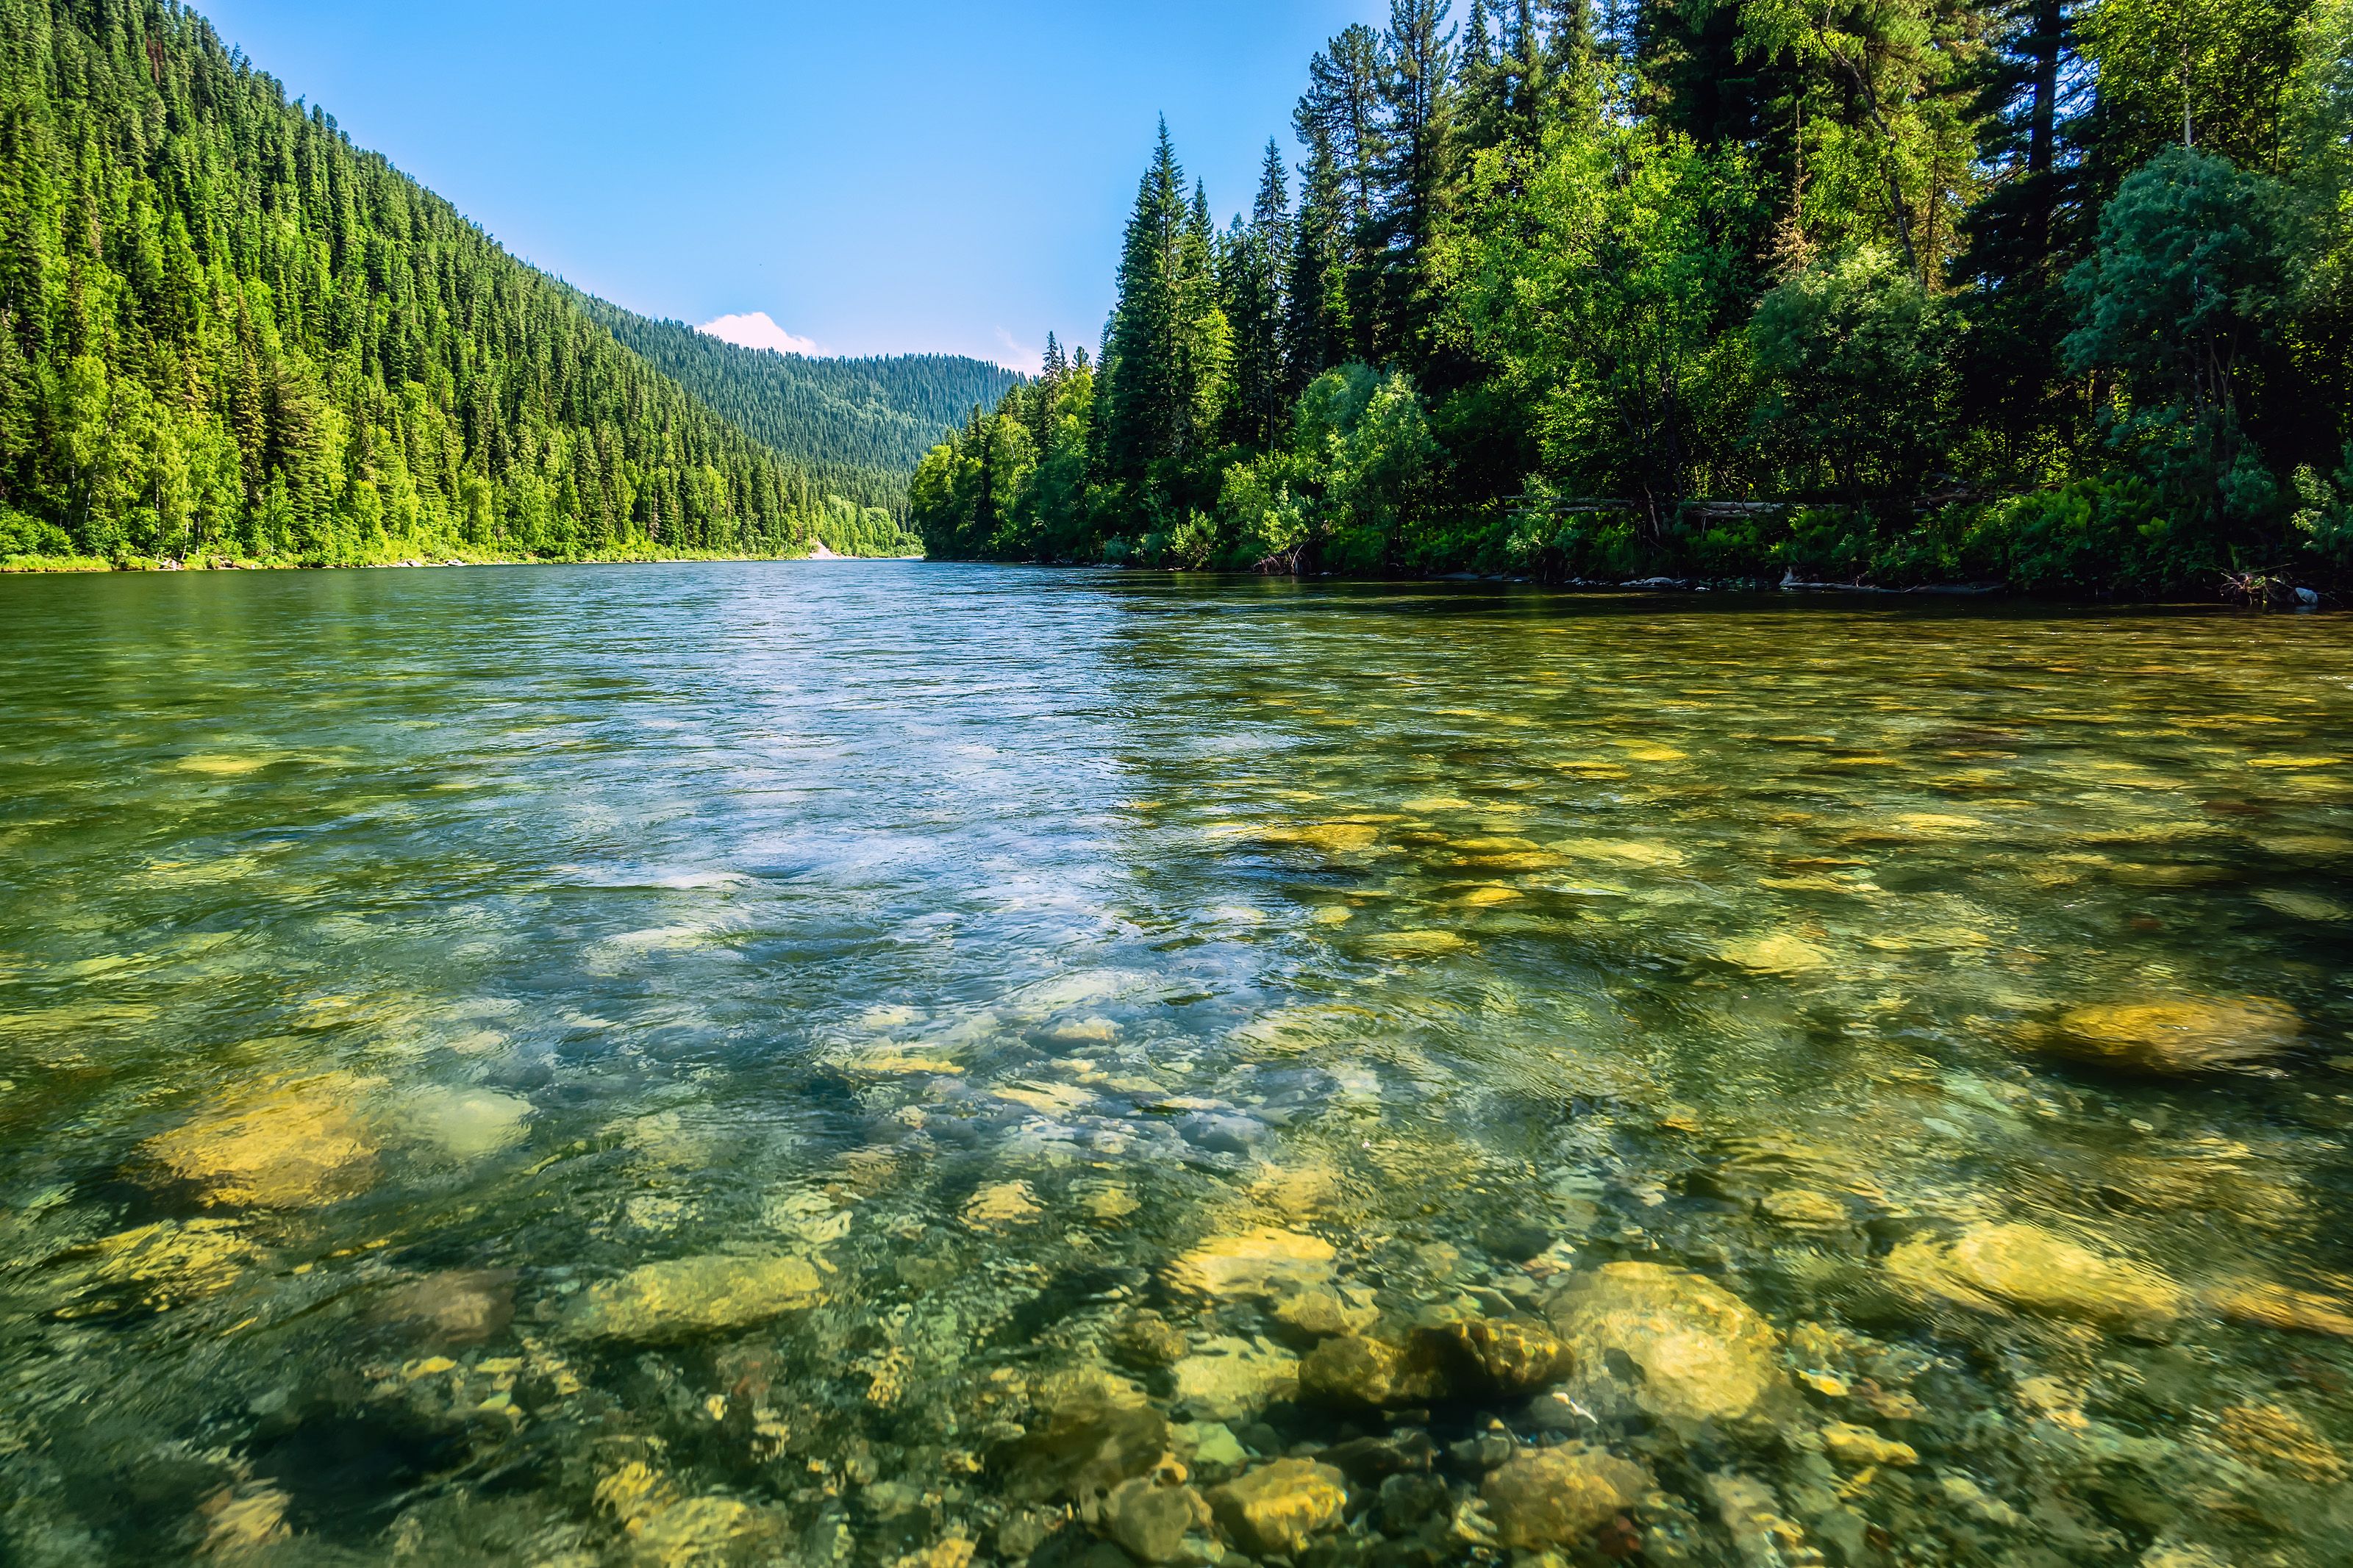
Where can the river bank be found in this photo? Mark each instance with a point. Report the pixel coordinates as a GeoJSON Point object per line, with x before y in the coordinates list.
{"type": "Point", "coordinates": [39, 564]}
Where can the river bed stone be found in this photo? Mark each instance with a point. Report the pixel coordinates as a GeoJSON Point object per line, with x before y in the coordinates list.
{"type": "Point", "coordinates": [1702, 1353]}
{"type": "Point", "coordinates": [1274, 1509]}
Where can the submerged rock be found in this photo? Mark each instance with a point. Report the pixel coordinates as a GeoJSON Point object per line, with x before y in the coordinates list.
{"type": "Point", "coordinates": [1559, 1497]}
{"type": "Point", "coordinates": [2175, 1037]}
{"type": "Point", "coordinates": [1803, 1208]}
{"type": "Point", "coordinates": [2269, 1306]}
{"type": "Point", "coordinates": [465, 1124]}
{"type": "Point", "coordinates": [1780, 954]}
{"type": "Point", "coordinates": [704, 1530]}
{"type": "Point", "coordinates": [1357, 1369]}
{"type": "Point", "coordinates": [2000, 1268]}
{"type": "Point", "coordinates": [1860, 1446]}
{"type": "Point", "coordinates": [2281, 1440]}
{"type": "Point", "coordinates": [1001, 1204]}
{"type": "Point", "coordinates": [1699, 1353]}
{"type": "Point", "coordinates": [1151, 1516]}
{"type": "Point", "coordinates": [1091, 1435]}
{"type": "Point", "coordinates": [1272, 1511]}
{"type": "Point", "coordinates": [1146, 1341]}
{"type": "Point", "coordinates": [690, 1296]}
{"type": "Point", "coordinates": [1510, 1356]}
{"type": "Point", "coordinates": [1260, 1262]}
{"type": "Point", "coordinates": [459, 1306]}
{"type": "Point", "coordinates": [297, 1146]}
{"type": "Point", "coordinates": [1322, 1312]}
{"type": "Point", "coordinates": [169, 1263]}
{"type": "Point", "coordinates": [1231, 1378]}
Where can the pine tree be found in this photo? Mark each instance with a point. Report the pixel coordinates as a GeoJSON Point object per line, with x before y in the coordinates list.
{"type": "Point", "coordinates": [1146, 420]}
{"type": "Point", "coordinates": [2030, 229]}
{"type": "Point", "coordinates": [1316, 331]}
{"type": "Point", "coordinates": [1255, 256]}
{"type": "Point", "coordinates": [1417, 104]}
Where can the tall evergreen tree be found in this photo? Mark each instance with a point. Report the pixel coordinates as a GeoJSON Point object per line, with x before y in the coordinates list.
{"type": "Point", "coordinates": [1417, 101]}
{"type": "Point", "coordinates": [1255, 256]}
{"type": "Point", "coordinates": [1316, 331]}
{"type": "Point", "coordinates": [1146, 418]}
{"type": "Point", "coordinates": [1343, 109]}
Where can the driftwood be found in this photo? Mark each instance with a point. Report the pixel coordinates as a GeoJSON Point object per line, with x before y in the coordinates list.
{"type": "Point", "coordinates": [2267, 591]}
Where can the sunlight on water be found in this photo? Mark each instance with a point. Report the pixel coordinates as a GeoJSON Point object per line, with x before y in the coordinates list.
{"type": "Point", "coordinates": [918, 1066]}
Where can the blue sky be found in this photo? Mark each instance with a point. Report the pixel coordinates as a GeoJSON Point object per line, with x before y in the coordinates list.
{"type": "Point", "coordinates": [875, 178]}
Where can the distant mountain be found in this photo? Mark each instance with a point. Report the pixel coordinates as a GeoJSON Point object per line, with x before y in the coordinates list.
{"type": "Point", "coordinates": [860, 426]}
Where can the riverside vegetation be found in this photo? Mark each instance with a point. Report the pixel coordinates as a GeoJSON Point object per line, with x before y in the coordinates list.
{"type": "Point", "coordinates": [227, 334]}
{"type": "Point", "coordinates": [930, 1067]}
{"type": "Point", "coordinates": [2052, 293]}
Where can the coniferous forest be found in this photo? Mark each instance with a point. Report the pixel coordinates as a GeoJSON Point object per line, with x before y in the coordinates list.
{"type": "Point", "coordinates": [228, 334]}
{"type": "Point", "coordinates": [2053, 293]}
{"type": "Point", "coordinates": [859, 425]}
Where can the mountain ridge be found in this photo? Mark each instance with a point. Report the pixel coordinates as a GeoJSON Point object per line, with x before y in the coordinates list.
{"type": "Point", "coordinates": [862, 424]}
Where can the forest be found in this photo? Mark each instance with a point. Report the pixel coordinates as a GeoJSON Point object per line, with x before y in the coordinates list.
{"type": "Point", "coordinates": [227, 334]}
{"type": "Point", "coordinates": [859, 425]}
{"type": "Point", "coordinates": [2053, 294]}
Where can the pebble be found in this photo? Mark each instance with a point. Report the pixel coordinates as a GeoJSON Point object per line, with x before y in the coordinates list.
{"type": "Point", "coordinates": [1996, 1268]}
{"type": "Point", "coordinates": [1558, 1496]}
{"type": "Point", "coordinates": [1273, 1510]}
{"type": "Point", "coordinates": [690, 1296]}
{"type": "Point", "coordinates": [1860, 1446]}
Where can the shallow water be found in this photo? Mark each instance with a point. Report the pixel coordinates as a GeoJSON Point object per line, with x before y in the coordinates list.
{"type": "Point", "coordinates": [949, 972]}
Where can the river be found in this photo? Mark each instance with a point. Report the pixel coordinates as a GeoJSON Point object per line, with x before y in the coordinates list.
{"type": "Point", "coordinates": [910, 1066]}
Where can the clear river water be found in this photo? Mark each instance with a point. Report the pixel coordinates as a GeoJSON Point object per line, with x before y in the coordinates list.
{"type": "Point", "coordinates": [920, 1066]}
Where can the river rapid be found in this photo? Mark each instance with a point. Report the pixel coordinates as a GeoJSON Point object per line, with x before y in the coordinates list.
{"type": "Point", "coordinates": [919, 1066]}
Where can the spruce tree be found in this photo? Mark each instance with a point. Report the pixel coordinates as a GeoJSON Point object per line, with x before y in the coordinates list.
{"type": "Point", "coordinates": [1255, 257]}
{"type": "Point", "coordinates": [1417, 101]}
{"type": "Point", "coordinates": [1146, 419]}
{"type": "Point", "coordinates": [1316, 331]}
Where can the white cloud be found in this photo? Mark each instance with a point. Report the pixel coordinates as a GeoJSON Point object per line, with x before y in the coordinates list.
{"type": "Point", "coordinates": [756, 330]}
{"type": "Point", "coordinates": [1017, 356]}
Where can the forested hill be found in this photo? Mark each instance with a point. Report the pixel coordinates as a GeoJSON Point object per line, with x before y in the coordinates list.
{"type": "Point", "coordinates": [860, 424]}
{"type": "Point", "coordinates": [2057, 293]}
{"type": "Point", "coordinates": [225, 331]}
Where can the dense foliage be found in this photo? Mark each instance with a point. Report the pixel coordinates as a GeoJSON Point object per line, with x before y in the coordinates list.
{"type": "Point", "coordinates": [2058, 292]}
{"type": "Point", "coordinates": [226, 332]}
{"type": "Point", "coordinates": [859, 425]}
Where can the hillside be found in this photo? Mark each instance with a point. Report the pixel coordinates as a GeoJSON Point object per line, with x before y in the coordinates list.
{"type": "Point", "coordinates": [226, 331]}
{"type": "Point", "coordinates": [860, 424]}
